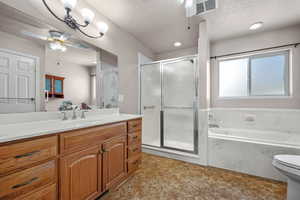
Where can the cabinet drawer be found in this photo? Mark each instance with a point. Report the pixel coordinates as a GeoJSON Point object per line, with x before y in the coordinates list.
{"type": "Point", "coordinates": [47, 193]}
{"type": "Point", "coordinates": [23, 154]}
{"type": "Point", "coordinates": [134, 138]}
{"type": "Point", "coordinates": [134, 125]}
{"type": "Point", "coordinates": [134, 150]}
{"type": "Point", "coordinates": [76, 139]}
{"type": "Point", "coordinates": [27, 180]}
{"type": "Point", "coordinates": [134, 164]}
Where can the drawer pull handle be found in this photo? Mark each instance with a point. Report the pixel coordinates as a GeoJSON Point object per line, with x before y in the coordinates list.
{"type": "Point", "coordinates": [25, 183]}
{"type": "Point", "coordinates": [26, 154]}
{"type": "Point", "coordinates": [134, 125]}
{"type": "Point", "coordinates": [135, 137]}
{"type": "Point", "coordinates": [134, 150]}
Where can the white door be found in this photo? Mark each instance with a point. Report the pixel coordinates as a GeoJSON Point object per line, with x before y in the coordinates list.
{"type": "Point", "coordinates": [151, 104]}
{"type": "Point", "coordinates": [17, 83]}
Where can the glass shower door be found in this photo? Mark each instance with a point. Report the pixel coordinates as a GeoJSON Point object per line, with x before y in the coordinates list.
{"type": "Point", "coordinates": [179, 105]}
{"type": "Point", "coordinates": [151, 104]}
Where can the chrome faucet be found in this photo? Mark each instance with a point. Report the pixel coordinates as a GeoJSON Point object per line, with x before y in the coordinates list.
{"type": "Point", "coordinates": [83, 114]}
{"type": "Point", "coordinates": [74, 108]}
{"type": "Point", "coordinates": [64, 115]}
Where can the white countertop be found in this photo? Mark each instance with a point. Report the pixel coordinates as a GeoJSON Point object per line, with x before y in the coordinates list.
{"type": "Point", "coordinates": [12, 132]}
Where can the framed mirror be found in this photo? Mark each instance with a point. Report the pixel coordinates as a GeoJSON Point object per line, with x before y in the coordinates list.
{"type": "Point", "coordinates": [45, 69]}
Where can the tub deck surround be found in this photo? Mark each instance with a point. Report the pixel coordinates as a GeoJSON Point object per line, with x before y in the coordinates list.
{"type": "Point", "coordinates": [246, 137]}
{"type": "Point", "coordinates": [167, 179]}
{"type": "Point", "coordinates": [12, 132]}
{"type": "Point", "coordinates": [281, 120]}
{"type": "Point", "coordinates": [283, 139]}
{"type": "Point", "coordinates": [67, 160]}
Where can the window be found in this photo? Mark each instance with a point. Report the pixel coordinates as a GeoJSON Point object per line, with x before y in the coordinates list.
{"type": "Point", "coordinates": [257, 75]}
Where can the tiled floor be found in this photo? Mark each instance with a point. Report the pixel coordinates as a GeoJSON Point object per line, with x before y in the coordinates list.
{"type": "Point", "coordinates": [165, 179]}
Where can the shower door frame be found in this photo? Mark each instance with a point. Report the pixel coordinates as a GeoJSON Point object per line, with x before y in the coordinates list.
{"type": "Point", "coordinates": [194, 107]}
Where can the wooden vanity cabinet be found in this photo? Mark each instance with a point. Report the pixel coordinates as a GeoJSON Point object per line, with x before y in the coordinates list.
{"type": "Point", "coordinates": [74, 165]}
{"type": "Point", "coordinates": [114, 161]}
{"type": "Point", "coordinates": [21, 155]}
{"type": "Point", "coordinates": [81, 175]}
{"type": "Point", "coordinates": [134, 145]}
{"type": "Point", "coordinates": [47, 193]}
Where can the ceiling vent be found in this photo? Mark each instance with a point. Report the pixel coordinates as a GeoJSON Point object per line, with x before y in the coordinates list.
{"type": "Point", "coordinates": [201, 7]}
{"type": "Point", "coordinates": [204, 6]}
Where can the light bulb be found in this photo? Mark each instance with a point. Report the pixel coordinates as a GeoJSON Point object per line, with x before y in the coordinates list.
{"type": "Point", "coordinates": [69, 4]}
{"type": "Point", "coordinates": [189, 3]}
{"type": "Point", "coordinates": [87, 15]}
{"type": "Point", "coordinates": [54, 45]}
{"type": "Point", "coordinates": [102, 27]}
{"type": "Point", "coordinates": [63, 48]}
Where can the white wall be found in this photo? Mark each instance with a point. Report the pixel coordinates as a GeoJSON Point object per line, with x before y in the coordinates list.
{"type": "Point", "coordinates": [117, 41]}
{"type": "Point", "coordinates": [17, 44]}
{"type": "Point", "coordinates": [177, 53]}
{"type": "Point", "coordinates": [252, 42]}
{"type": "Point", "coordinates": [203, 91]}
{"type": "Point", "coordinates": [77, 81]}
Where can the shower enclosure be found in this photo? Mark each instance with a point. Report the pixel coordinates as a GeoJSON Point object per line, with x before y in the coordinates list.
{"type": "Point", "coordinates": [169, 104]}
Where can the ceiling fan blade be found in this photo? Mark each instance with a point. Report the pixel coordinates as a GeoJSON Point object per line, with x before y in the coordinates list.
{"type": "Point", "coordinates": [58, 35]}
{"type": "Point", "coordinates": [77, 45]}
{"type": "Point", "coordinates": [33, 35]}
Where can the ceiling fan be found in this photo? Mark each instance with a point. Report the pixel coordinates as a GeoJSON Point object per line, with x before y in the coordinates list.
{"type": "Point", "coordinates": [57, 40]}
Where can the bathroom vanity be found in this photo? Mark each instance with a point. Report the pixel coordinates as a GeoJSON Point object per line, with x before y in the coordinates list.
{"type": "Point", "coordinates": [80, 162]}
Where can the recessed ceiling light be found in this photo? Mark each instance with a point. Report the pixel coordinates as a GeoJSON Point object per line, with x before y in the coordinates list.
{"type": "Point", "coordinates": [177, 44]}
{"type": "Point", "coordinates": [256, 25]}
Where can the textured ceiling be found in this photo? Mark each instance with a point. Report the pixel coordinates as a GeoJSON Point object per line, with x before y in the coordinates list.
{"type": "Point", "coordinates": [234, 17]}
{"type": "Point", "coordinates": [158, 23]}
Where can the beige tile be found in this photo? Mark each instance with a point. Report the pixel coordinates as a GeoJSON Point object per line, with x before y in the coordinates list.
{"type": "Point", "coordinates": [166, 179]}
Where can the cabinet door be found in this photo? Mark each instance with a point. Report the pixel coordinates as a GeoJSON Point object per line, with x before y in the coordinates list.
{"type": "Point", "coordinates": [81, 175]}
{"type": "Point", "coordinates": [48, 84]}
{"type": "Point", "coordinates": [114, 162]}
{"type": "Point", "coordinates": [58, 86]}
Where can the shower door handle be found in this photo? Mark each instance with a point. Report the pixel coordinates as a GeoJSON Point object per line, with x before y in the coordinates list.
{"type": "Point", "coordinates": [149, 107]}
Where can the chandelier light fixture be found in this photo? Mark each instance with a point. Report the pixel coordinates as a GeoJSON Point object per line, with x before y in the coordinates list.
{"type": "Point", "coordinates": [86, 14]}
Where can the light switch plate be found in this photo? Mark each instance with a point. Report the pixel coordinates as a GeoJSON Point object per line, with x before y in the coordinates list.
{"type": "Point", "coordinates": [121, 98]}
